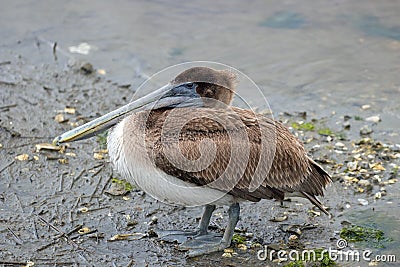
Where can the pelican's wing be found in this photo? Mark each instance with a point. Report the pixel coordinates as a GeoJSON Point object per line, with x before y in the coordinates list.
{"type": "Point", "coordinates": [247, 155]}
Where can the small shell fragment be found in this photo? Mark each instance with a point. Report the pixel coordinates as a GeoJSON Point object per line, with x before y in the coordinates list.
{"type": "Point", "coordinates": [365, 107]}
{"type": "Point", "coordinates": [374, 119]}
{"type": "Point", "coordinates": [134, 236]}
{"type": "Point", "coordinates": [377, 167]}
{"type": "Point", "coordinates": [84, 230]}
{"type": "Point", "coordinates": [69, 110]}
{"type": "Point", "coordinates": [315, 213]}
{"type": "Point", "coordinates": [63, 161]}
{"type": "Point", "coordinates": [101, 71]}
{"type": "Point", "coordinates": [60, 118]}
{"type": "Point", "coordinates": [242, 246]}
{"type": "Point", "coordinates": [83, 210]}
{"type": "Point", "coordinates": [47, 146]}
{"type": "Point", "coordinates": [363, 202]}
{"type": "Point", "coordinates": [228, 250]}
{"type": "Point", "coordinates": [98, 156]}
{"type": "Point", "coordinates": [120, 237]}
{"type": "Point", "coordinates": [227, 255]}
{"type": "Point", "coordinates": [22, 157]}
{"type": "Point", "coordinates": [279, 218]}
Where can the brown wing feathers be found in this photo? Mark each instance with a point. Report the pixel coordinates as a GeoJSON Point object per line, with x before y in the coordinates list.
{"type": "Point", "coordinates": [291, 169]}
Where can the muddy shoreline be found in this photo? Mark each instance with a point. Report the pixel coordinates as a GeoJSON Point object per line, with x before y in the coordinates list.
{"type": "Point", "coordinates": [48, 197]}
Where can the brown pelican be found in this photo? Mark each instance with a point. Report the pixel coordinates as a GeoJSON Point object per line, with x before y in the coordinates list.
{"type": "Point", "coordinates": [184, 144]}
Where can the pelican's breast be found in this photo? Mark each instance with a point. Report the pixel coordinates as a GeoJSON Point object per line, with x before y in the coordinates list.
{"type": "Point", "coordinates": [128, 153]}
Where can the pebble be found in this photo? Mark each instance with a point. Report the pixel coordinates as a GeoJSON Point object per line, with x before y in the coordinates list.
{"type": "Point", "coordinates": [395, 148]}
{"type": "Point", "coordinates": [227, 255]}
{"type": "Point", "coordinates": [365, 107]}
{"type": "Point", "coordinates": [154, 220]}
{"type": "Point", "coordinates": [87, 68]}
{"type": "Point", "coordinates": [363, 202]}
{"type": "Point", "coordinates": [352, 166]}
{"type": "Point", "coordinates": [374, 119]}
{"type": "Point", "coordinates": [376, 179]}
{"type": "Point", "coordinates": [346, 125]}
{"type": "Point", "coordinates": [364, 182]}
{"type": "Point", "coordinates": [248, 234]}
{"type": "Point", "coordinates": [365, 130]}
{"type": "Point", "coordinates": [228, 250]}
{"type": "Point", "coordinates": [340, 146]}
{"type": "Point", "coordinates": [242, 246]}
{"type": "Point", "coordinates": [315, 148]}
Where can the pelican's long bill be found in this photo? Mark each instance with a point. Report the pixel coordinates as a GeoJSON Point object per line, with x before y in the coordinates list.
{"type": "Point", "coordinates": [170, 95]}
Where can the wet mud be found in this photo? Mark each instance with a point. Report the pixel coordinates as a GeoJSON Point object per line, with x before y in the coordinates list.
{"type": "Point", "coordinates": [55, 209]}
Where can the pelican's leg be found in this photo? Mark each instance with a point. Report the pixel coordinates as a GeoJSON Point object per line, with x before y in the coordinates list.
{"type": "Point", "coordinates": [181, 236]}
{"type": "Point", "coordinates": [205, 219]}
{"type": "Point", "coordinates": [208, 243]}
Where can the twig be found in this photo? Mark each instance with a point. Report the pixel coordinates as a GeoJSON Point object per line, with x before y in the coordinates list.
{"type": "Point", "coordinates": [76, 228]}
{"type": "Point", "coordinates": [51, 226]}
{"type": "Point", "coordinates": [76, 178]}
{"type": "Point", "coordinates": [34, 227]}
{"type": "Point", "coordinates": [55, 51]}
{"type": "Point", "coordinates": [73, 208]}
{"type": "Point", "coordinates": [7, 83]}
{"type": "Point", "coordinates": [99, 170]}
{"type": "Point", "coordinates": [97, 185]}
{"type": "Point", "coordinates": [47, 245]}
{"type": "Point", "coordinates": [88, 233]}
{"type": "Point", "coordinates": [59, 50]}
{"type": "Point", "coordinates": [53, 263]}
{"type": "Point", "coordinates": [76, 203]}
{"type": "Point", "coordinates": [19, 202]}
{"type": "Point", "coordinates": [62, 234]}
{"type": "Point", "coordinates": [131, 263]}
{"type": "Point", "coordinates": [12, 263]}
{"type": "Point", "coordinates": [16, 238]}
{"type": "Point", "coordinates": [27, 101]}
{"type": "Point", "coordinates": [61, 181]}
{"type": "Point", "coordinates": [7, 165]}
{"type": "Point", "coordinates": [108, 181]}
{"type": "Point", "coordinates": [8, 107]}
{"type": "Point", "coordinates": [96, 166]}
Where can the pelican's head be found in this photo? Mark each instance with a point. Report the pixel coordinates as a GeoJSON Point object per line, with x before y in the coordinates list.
{"type": "Point", "coordinates": [194, 87]}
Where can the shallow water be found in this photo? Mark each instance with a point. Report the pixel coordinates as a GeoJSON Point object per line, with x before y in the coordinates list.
{"type": "Point", "coordinates": [317, 57]}
{"type": "Point", "coordinates": [327, 56]}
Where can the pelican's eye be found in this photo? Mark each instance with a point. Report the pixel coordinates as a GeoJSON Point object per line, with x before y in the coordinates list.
{"type": "Point", "coordinates": [190, 85]}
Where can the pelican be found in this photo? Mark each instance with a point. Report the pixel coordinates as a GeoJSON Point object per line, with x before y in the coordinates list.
{"type": "Point", "coordinates": [185, 144]}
